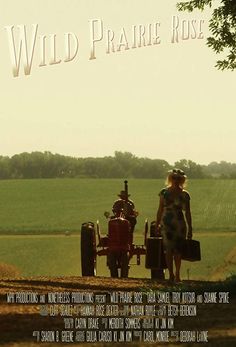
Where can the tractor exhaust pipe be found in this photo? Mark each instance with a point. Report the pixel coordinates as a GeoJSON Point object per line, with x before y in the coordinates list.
{"type": "Point", "coordinates": [126, 190]}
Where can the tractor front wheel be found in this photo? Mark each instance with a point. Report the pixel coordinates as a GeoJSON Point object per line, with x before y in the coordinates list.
{"type": "Point", "coordinates": [118, 260]}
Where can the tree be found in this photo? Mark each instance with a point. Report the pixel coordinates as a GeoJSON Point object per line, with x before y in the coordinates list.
{"type": "Point", "coordinates": [192, 169]}
{"type": "Point", "coordinates": [126, 162]}
{"type": "Point", "coordinates": [4, 167]}
{"type": "Point", "coordinates": [222, 26]}
{"type": "Point", "coordinates": [223, 169]}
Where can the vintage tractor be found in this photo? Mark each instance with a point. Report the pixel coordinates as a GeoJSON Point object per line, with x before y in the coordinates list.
{"type": "Point", "coordinates": [119, 248]}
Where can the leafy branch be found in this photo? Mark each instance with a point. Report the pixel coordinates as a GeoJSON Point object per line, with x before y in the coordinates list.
{"type": "Point", "coordinates": [222, 26]}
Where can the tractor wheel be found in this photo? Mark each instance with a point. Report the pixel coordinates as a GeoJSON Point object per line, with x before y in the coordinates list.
{"type": "Point", "coordinates": [118, 260]}
{"type": "Point", "coordinates": [113, 264]}
{"type": "Point", "coordinates": [155, 259]}
{"type": "Point", "coordinates": [157, 274]}
{"type": "Point", "coordinates": [88, 249]}
{"type": "Point", "coordinates": [124, 265]}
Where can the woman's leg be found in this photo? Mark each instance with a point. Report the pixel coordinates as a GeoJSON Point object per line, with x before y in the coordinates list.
{"type": "Point", "coordinates": [169, 263]}
{"type": "Point", "coordinates": [177, 259]}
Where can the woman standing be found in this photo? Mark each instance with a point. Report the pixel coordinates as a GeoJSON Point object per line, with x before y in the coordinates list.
{"type": "Point", "coordinates": [171, 222]}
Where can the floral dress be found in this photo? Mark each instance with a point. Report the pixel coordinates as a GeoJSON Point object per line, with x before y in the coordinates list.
{"type": "Point", "coordinates": [173, 225]}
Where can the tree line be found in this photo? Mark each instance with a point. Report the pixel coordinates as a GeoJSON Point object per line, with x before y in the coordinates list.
{"type": "Point", "coordinates": [122, 164]}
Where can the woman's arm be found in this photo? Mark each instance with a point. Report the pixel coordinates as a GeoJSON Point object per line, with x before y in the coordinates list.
{"type": "Point", "coordinates": [159, 214]}
{"type": "Point", "coordinates": [188, 219]}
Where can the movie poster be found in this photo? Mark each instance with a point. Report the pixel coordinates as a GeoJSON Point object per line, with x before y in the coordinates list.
{"type": "Point", "coordinates": [99, 101]}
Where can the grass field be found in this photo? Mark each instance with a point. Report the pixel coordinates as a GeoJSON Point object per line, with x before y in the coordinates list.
{"type": "Point", "coordinates": [60, 256]}
{"type": "Point", "coordinates": [44, 209]}
{"type": "Point", "coordinates": [55, 205]}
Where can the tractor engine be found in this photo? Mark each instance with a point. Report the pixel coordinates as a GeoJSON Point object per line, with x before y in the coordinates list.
{"type": "Point", "coordinates": [119, 242]}
{"type": "Point", "coordinates": [119, 235]}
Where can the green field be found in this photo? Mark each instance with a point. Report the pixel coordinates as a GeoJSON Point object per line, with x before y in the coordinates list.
{"type": "Point", "coordinates": [56, 205]}
{"type": "Point", "coordinates": [45, 209]}
{"type": "Point", "coordinates": [60, 256]}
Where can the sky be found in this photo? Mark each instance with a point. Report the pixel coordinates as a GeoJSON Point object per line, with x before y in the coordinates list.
{"type": "Point", "coordinates": [164, 100]}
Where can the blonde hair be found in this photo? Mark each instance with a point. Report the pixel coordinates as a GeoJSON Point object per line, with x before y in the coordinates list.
{"type": "Point", "coordinates": [176, 174]}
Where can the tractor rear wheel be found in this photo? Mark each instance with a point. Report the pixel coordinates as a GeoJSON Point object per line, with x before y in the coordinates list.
{"type": "Point", "coordinates": [88, 249]}
{"type": "Point", "coordinates": [155, 258]}
{"type": "Point", "coordinates": [157, 274]}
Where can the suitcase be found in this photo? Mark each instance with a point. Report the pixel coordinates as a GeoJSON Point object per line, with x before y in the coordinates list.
{"type": "Point", "coordinates": [155, 257]}
{"type": "Point", "coordinates": [191, 250]}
